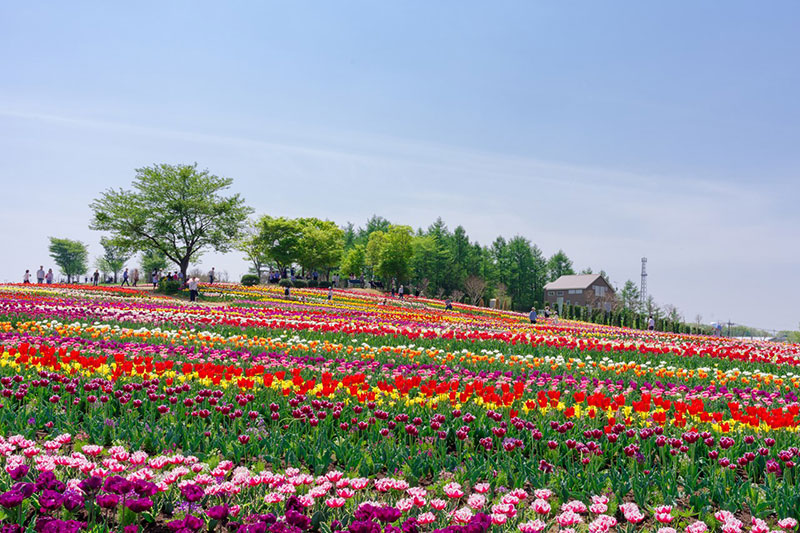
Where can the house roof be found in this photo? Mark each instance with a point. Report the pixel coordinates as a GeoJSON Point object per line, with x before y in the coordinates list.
{"type": "Point", "coordinates": [574, 281]}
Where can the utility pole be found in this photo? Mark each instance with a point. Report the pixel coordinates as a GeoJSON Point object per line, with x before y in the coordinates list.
{"type": "Point", "coordinates": [643, 290]}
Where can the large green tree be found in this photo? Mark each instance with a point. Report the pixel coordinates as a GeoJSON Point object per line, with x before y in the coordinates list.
{"type": "Point", "coordinates": [559, 265]}
{"type": "Point", "coordinates": [373, 250]}
{"type": "Point", "coordinates": [113, 258]}
{"type": "Point", "coordinates": [630, 296]}
{"type": "Point", "coordinates": [70, 255]}
{"type": "Point", "coordinates": [321, 244]}
{"type": "Point", "coordinates": [253, 248]}
{"type": "Point", "coordinates": [175, 209]}
{"type": "Point", "coordinates": [280, 238]}
{"type": "Point", "coordinates": [521, 275]}
{"type": "Point", "coordinates": [395, 254]}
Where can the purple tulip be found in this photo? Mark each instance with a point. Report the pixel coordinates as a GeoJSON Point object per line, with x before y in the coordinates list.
{"type": "Point", "coordinates": [91, 484]}
{"type": "Point", "coordinates": [218, 512]}
{"type": "Point", "coordinates": [19, 472]}
{"type": "Point", "coordinates": [117, 485]}
{"type": "Point", "coordinates": [50, 500]}
{"type": "Point", "coordinates": [108, 501]}
{"type": "Point", "coordinates": [139, 505]}
{"type": "Point", "coordinates": [11, 499]}
{"type": "Point", "coordinates": [192, 493]}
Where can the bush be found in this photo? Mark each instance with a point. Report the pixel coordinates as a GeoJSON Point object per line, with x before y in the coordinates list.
{"type": "Point", "coordinates": [169, 286]}
{"type": "Point", "coordinates": [324, 284]}
{"type": "Point", "coordinates": [286, 283]}
{"type": "Point", "coordinates": [300, 283]}
{"type": "Point", "coordinates": [313, 283]}
{"type": "Point", "coordinates": [250, 280]}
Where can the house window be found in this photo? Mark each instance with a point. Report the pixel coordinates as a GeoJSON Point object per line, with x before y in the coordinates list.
{"type": "Point", "coordinates": [551, 292]}
{"type": "Point", "coordinates": [575, 291]}
{"type": "Point", "coordinates": [560, 293]}
{"type": "Point", "coordinates": [599, 291]}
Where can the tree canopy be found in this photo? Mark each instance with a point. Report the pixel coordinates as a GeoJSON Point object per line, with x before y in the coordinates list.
{"type": "Point", "coordinates": [559, 265]}
{"type": "Point", "coordinates": [320, 245]}
{"type": "Point", "coordinates": [175, 209]}
{"type": "Point", "coordinates": [113, 258]}
{"type": "Point", "coordinates": [71, 256]}
{"type": "Point", "coordinates": [279, 239]}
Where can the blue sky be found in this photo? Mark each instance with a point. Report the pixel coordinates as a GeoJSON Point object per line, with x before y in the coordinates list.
{"type": "Point", "coordinates": [613, 130]}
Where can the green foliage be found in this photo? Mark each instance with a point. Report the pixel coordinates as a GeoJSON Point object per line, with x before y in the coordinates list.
{"type": "Point", "coordinates": [300, 283]}
{"type": "Point", "coordinates": [354, 260]}
{"type": "Point", "coordinates": [373, 249]}
{"type": "Point", "coordinates": [395, 254]}
{"type": "Point", "coordinates": [153, 260]}
{"type": "Point", "coordinates": [375, 223]}
{"type": "Point", "coordinates": [630, 296]}
{"type": "Point", "coordinates": [526, 272]}
{"type": "Point", "coordinates": [559, 265]}
{"type": "Point", "coordinates": [169, 286]}
{"type": "Point", "coordinates": [252, 247]}
{"type": "Point", "coordinates": [174, 209]}
{"type": "Point", "coordinates": [113, 258]}
{"type": "Point", "coordinates": [286, 283]}
{"type": "Point", "coordinates": [320, 245]}
{"type": "Point", "coordinates": [249, 280]}
{"type": "Point", "coordinates": [71, 256]}
{"type": "Point", "coordinates": [279, 238]}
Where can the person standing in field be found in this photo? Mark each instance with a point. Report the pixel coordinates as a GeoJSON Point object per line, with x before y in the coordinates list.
{"type": "Point", "coordinates": [125, 279]}
{"type": "Point", "coordinates": [532, 316]}
{"type": "Point", "coordinates": [49, 276]}
{"type": "Point", "coordinates": [211, 276]}
{"type": "Point", "coordinates": [193, 288]}
{"type": "Point", "coordinates": [95, 277]}
{"type": "Point", "coordinates": [135, 276]}
{"type": "Point", "coordinates": [330, 293]}
{"type": "Point", "coordinates": [40, 275]}
{"type": "Point", "coordinates": [27, 277]}
{"type": "Point", "coordinates": [651, 324]}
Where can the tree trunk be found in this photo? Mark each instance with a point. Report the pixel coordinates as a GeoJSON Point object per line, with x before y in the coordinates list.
{"type": "Point", "coordinates": [184, 267]}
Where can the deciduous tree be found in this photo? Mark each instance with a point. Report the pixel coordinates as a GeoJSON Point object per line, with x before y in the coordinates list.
{"type": "Point", "coordinates": [70, 256]}
{"type": "Point", "coordinates": [280, 239]}
{"type": "Point", "coordinates": [113, 258]}
{"type": "Point", "coordinates": [175, 209]}
{"type": "Point", "coordinates": [321, 243]}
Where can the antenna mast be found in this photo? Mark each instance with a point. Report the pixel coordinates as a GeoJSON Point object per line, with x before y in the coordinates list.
{"type": "Point", "coordinates": [643, 290]}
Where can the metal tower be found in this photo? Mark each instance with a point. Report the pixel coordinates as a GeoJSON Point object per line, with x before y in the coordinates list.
{"type": "Point", "coordinates": [643, 290]}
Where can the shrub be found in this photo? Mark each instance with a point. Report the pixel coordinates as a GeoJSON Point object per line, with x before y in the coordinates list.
{"type": "Point", "coordinates": [300, 283]}
{"type": "Point", "coordinates": [313, 283]}
{"type": "Point", "coordinates": [286, 283]}
{"type": "Point", "coordinates": [169, 286]}
{"type": "Point", "coordinates": [250, 280]}
{"type": "Point", "coordinates": [324, 284]}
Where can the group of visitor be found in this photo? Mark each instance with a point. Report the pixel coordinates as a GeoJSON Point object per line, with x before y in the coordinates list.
{"type": "Point", "coordinates": [41, 276]}
{"type": "Point", "coordinates": [547, 313]}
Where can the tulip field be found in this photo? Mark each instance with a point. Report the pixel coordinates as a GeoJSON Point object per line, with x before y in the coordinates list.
{"type": "Point", "coordinates": [124, 410]}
